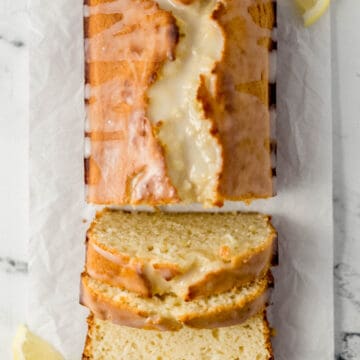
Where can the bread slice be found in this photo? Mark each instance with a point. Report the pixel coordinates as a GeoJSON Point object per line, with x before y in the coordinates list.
{"type": "Point", "coordinates": [178, 101]}
{"type": "Point", "coordinates": [170, 312]}
{"type": "Point", "coordinates": [248, 341]}
{"type": "Point", "coordinates": [190, 255]}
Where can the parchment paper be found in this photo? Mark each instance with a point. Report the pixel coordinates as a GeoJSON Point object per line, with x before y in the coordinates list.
{"type": "Point", "coordinates": [302, 211]}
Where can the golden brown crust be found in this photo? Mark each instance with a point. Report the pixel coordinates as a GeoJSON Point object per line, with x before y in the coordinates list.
{"type": "Point", "coordinates": [132, 277]}
{"type": "Point", "coordinates": [267, 335]}
{"type": "Point", "coordinates": [127, 162]}
{"type": "Point", "coordinates": [239, 109]}
{"type": "Point", "coordinates": [118, 269]}
{"type": "Point", "coordinates": [126, 276]}
{"type": "Point", "coordinates": [97, 23]}
{"type": "Point", "coordinates": [228, 316]}
{"type": "Point", "coordinates": [88, 342]}
{"type": "Point", "coordinates": [91, 333]}
{"type": "Point", "coordinates": [120, 313]}
{"type": "Point", "coordinates": [263, 13]}
{"type": "Point", "coordinates": [245, 269]}
{"type": "Point", "coordinates": [97, 2]}
{"type": "Point", "coordinates": [186, 2]}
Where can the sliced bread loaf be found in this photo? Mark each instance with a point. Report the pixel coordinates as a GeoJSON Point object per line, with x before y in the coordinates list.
{"type": "Point", "coordinates": [170, 312]}
{"type": "Point", "coordinates": [189, 255]}
{"type": "Point", "coordinates": [248, 341]}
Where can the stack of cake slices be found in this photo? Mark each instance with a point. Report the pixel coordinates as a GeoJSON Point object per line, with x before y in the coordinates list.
{"type": "Point", "coordinates": [178, 285]}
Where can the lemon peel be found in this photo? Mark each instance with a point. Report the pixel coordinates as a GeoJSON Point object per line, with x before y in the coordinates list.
{"type": "Point", "coordinates": [28, 346]}
{"type": "Point", "coordinates": [313, 10]}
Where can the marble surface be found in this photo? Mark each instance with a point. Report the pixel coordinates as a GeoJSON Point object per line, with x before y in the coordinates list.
{"type": "Point", "coordinates": [13, 157]}
{"type": "Point", "coordinates": [14, 152]}
{"type": "Point", "coordinates": [346, 125]}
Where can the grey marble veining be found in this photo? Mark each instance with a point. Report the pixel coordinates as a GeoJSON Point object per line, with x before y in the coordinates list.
{"type": "Point", "coordinates": [347, 287]}
{"type": "Point", "coordinates": [346, 123]}
{"type": "Point", "coordinates": [9, 265]}
{"type": "Point", "coordinates": [350, 343]}
{"type": "Point", "coordinates": [346, 129]}
{"type": "Point", "coordinates": [13, 158]}
{"type": "Point", "coordinates": [16, 43]}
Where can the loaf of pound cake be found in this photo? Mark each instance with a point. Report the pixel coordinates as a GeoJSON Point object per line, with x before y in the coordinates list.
{"type": "Point", "coordinates": [189, 255]}
{"type": "Point", "coordinates": [248, 341]}
{"type": "Point", "coordinates": [178, 101]}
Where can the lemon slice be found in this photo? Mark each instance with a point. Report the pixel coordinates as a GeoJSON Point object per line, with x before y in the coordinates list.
{"type": "Point", "coordinates": [313, 10]}
{"type": "Point", "coordinates": [28, 346]}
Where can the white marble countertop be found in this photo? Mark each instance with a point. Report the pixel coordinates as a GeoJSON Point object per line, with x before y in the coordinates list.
{"type": "Point", "coordinates": [14, 188]}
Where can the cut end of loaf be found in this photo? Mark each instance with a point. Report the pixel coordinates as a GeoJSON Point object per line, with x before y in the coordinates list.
{"type": "Point", "coordinates": [248, 341]}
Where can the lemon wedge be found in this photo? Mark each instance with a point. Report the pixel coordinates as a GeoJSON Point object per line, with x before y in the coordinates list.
{"type": "Point", "coordinates": [28, 346]}
{"type": "Point", "coordinates": [313, 10]}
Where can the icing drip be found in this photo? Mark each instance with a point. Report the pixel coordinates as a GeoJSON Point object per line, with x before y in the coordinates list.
{"type": "Point", "coordinates": [193, 154]}
{"type": "Point", "coordinates": [126, 162]}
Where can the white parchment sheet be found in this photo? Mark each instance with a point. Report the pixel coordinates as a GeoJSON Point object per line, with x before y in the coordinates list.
{"type": "Point", "coordinates": [302, 211]}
